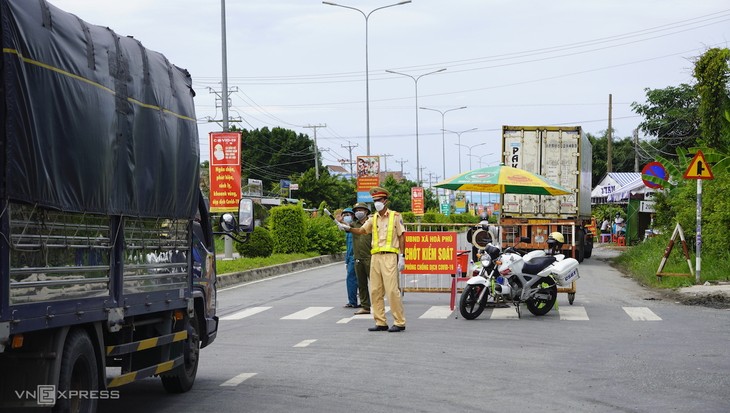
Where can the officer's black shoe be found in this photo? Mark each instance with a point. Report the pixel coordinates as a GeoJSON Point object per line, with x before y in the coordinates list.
{"type": "Point", "coordinates": [396, 329]}
{"type": "Point", "coordinates": [378, 328]}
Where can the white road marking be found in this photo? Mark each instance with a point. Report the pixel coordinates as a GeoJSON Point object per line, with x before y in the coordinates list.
{"type": "Point", "coordinates": [237, 380]}
{"type": "Point", "coordinates": [508, 313]}
{"type": "Point", "coordinates": [245, 313]}
{"type": "Point", "coordinates": [437, 311]}
{"type": "Point", "coordinates": [304, 343]}
{"type": "Point", "coordinates": [571, 313]}
{"type": "Point", "coordinates": [307, 313]}
{"type": "Point", "coordinates": [641, 314]}
{"type": "Point", "coordinates": [360, 317]}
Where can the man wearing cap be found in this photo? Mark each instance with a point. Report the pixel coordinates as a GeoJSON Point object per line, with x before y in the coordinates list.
{"type": "Point", "coordinates": [387, 247]}
{"type": "Point", "coordinates": [362, 257]}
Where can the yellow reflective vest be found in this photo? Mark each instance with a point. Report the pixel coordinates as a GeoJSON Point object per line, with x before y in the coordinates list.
{"type": "Point", "coordinates": [389, 237]}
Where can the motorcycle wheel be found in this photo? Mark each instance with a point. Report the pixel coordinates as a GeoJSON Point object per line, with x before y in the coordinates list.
{"type": "Point", "coordinates": [542, 306]}
{"type": "Point", "coordinates": [469, 305]}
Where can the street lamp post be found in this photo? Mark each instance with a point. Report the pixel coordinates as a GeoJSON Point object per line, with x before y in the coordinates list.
{"type": "Point", "coordinates": [443, 139]}
{"type": "Point", "coordinates": [481, 199]}
{"type": "Point", "coordinates": [470, 148]}
{"type": "Point", "coordinates": [460, 145]}
{"type": "Point", "coordinates": [367, 70]}
{"type": "Point", "coordinates": [415, 81]}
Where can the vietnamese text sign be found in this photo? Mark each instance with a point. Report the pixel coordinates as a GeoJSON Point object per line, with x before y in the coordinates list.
{"type": "Point", "coordinates": [225, 171]}
{"type": "Point", "coordinates": [430, 252]}
{"type": "Point", "coordinates": [417, 202]}
{"type": "Point", "coordinates": [368, 172]}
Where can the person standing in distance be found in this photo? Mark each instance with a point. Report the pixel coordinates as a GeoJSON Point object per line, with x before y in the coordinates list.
{"type": "Point", "coordinates": [387, 248]}
{"type": "Point", "coordinates": [362, 257]}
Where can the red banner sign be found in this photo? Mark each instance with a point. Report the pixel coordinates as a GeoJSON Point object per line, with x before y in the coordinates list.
{"type": "Point", "coordinates": [225, 171]}
{"type": "Point", "coordinates": [430, 253]}
{"type": "Point", "coordinates": [417, 201]}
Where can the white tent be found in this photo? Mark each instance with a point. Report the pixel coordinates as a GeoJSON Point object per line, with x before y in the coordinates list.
{"type": "Point", "coordinates": [613, 182]}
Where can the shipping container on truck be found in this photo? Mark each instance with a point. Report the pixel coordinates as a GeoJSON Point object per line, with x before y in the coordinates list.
{"type": "Point", "coordinates": [562, 154]}
{"type": "Point", "coordinates": [107, 265]}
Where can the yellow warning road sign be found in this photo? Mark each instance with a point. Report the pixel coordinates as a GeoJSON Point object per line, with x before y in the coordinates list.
{"type": "Point", "coordinates": [698, 168]}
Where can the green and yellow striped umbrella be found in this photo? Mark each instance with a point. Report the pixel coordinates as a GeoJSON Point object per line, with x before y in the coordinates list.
{"type": "Point", "coordinates": [504, 180]}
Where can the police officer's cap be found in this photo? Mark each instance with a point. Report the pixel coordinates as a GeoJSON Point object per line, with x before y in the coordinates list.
{"type": "Point", "coordinates": [361, 205]}
{"type": "Point", "coordinates": [378, 192]}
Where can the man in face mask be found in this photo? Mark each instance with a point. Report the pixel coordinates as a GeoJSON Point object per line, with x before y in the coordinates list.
{"type": "Point", "coordinates": [387, 248]}
{"type": "Point", "coordinates": [348, 218]}
{"type": "Point", "coordinates": [362, 257]}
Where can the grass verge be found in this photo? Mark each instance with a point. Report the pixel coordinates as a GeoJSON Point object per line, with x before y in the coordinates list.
{"type": "Point", "coordinates": [243, 264]}
{"type": "Point", "coordinates": [642, 261]}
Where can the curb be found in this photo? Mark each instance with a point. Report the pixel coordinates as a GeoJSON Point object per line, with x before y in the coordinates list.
{"type": "Point", "coordinates": [227, 280]}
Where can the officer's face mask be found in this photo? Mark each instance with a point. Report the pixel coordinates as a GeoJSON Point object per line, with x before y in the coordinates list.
{"type": "Point", "coordinates": [347, 219]}
{"type": "Point", "coordinates": [379, 205]}
{"type": "Point", "coordinates": [359, 215]}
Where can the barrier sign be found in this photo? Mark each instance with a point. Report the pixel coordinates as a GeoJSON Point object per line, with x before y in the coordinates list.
{"type": "Point", "coordinates": [430, 252]}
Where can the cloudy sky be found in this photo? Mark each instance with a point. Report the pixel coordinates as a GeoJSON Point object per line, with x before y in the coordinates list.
{"type": "Point", "coordinates": [294, 63]}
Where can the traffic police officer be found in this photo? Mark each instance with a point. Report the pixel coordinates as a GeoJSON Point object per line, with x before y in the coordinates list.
{"type": "Point", "coordinates": [387, 248]}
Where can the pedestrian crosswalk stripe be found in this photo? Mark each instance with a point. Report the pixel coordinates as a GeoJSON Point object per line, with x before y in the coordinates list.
{"type": "Point", "coordinates": [237, 380]}
{"type": "Point", "coordinates": [245, 313]}
{"type": "Point", "coordinates": [304, 343]}
{"type": "Point", "coordinates": [641, 314]}
{"type": "Point", "coordinates": [359, 317]}
{"type": "Point", "coordinates": [307, 313]}
{"type": "Point", "coordinates": [571, 313]}
{"type": "Point", "coordinates": [508, 313]}
{"type": "Point", "coordinates": [437, 311]}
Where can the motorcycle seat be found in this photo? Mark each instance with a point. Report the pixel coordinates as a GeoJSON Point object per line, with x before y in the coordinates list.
{"type": "Point", "coordinates": [538, 264]}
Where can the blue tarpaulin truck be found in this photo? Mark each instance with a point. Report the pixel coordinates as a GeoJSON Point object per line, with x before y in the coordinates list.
{"type": "Point", "coordinates": [107, 265]}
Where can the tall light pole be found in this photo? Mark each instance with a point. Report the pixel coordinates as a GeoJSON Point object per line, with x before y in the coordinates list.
{"type": "Point", "coordinates": [481, 200]}
{"type": "Point", "coordinates": [480, 158]}
{"type": "Point", "coordinates": [470, 147]}
{"type": "Point", "coordinates": [443, 139]}
{"type": "Point", "coordinates": [367, 71]}
{"type": "Point", "coordinates": [459, 135]}
{"type": "Point", "coordinates": [415, 82]}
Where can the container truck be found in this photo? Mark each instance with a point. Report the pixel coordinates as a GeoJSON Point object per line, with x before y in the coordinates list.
{"type": "Point", "coordinates": [562, 154]}
{"type": "Point", "coordinates": [107, 265]}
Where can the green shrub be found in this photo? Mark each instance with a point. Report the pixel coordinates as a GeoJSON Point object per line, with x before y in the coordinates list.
{"type": "Point", "coordinates": [464, 219]}
{"type": "Point", "coordinates": [288, 229]}
{"type": "Point", "coordinates": [324, 237]}
{"type": "Point", "coordinates": [259, 244]}
{"type": "Point", "coordinates": [408, 216]}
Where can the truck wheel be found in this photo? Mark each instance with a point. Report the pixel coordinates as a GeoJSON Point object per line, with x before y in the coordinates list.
{"type": "Point", "coordinates": [588, 247]}
{"type": "Point", "coordinates": [579, 245]}
{"type": "Point", "coordinates": [181, 379]}
{"type": "Point", "coordinates": [78, 372]}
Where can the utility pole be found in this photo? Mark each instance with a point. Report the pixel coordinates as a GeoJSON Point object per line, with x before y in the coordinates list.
{"type": "Point", "coordinates": [401, 162]}
{"type": "Point", "coordinates": [224, 104]}
{"type": "Point", "coordinates": [316, 153]}
{"type": "Point", "coordinates": [386, 156]}
{"type": "Point", "coordinates": [420, 175]}
{"type": "Point", "coordinates": [430, 181]}
{"type": "Point", "coordinates": [349, 148]}
{"type": "Point", "coordinates": [636, 150]}
{"type": "Point", "coordinates": [609, 139]}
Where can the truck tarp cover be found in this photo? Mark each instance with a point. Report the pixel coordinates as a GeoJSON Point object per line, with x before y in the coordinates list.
{"type": "Point", "coordinates": [91, 121]}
